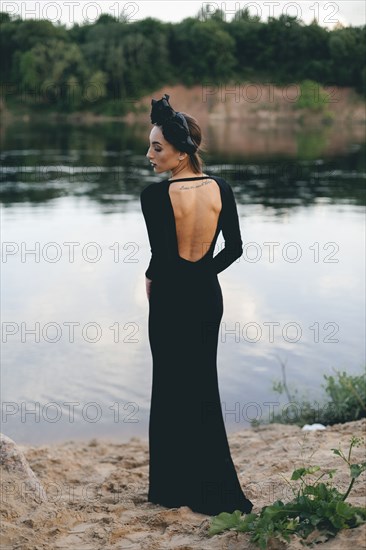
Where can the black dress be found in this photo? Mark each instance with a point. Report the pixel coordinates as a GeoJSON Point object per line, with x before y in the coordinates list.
{"type": "Point", "coordinates": [190, 462]}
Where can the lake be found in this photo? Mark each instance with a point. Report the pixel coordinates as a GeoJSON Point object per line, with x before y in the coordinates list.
{"type": "Point", "coordinates": [76, 360]}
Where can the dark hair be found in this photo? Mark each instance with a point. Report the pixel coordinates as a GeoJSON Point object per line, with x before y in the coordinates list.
{"type": "Point", "coordinates": [195, 159]}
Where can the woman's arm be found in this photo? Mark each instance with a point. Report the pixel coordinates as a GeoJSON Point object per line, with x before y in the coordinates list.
{"type": "Point", "coordinates": [150, 221]}
{"type": "Point", "coordinates": [231, 231]}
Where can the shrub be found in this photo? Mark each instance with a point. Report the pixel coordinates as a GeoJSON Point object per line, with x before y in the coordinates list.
{"type": "Point", "coordinates": [316, 513]}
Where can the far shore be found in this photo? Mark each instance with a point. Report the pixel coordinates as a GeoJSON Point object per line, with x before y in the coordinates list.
{"type": "Point", "coordinates": [237, 129]}
{"type": "Point", "coordinates": [269, 105]}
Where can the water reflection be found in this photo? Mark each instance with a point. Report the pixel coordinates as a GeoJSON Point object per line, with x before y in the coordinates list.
{"type": "Point", "coordinates": [107, 164]}
{"type": "Point", "coordinates": [64, 184]}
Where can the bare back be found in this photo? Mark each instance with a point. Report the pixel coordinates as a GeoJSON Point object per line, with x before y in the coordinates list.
{"type": "Point", "coordinates": [196, 212]}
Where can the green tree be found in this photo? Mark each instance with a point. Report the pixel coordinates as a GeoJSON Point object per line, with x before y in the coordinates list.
{"type": "Point", "coordinates": [202, 51]}
{"type": "Point", "coordinates": [118, 60]}
{"type": "Point", "coordinates": [32, 32]}
{"type": "Point", "coordinates": [55, 71]}
{"type": "Point", "coordinates": [346, 47]}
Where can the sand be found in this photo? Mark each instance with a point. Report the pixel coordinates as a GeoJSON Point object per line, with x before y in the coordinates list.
{"type": "Point", "coordinates": [96, 492]}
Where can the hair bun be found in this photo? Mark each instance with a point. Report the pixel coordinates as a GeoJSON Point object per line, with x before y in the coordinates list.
{"type": "Point", "coordinates": [161, 111]}
{"type": "Point", "coordinates": [174, 125]}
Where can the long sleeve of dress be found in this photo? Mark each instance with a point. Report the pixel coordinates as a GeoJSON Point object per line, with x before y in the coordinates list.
{"type": "Point", "coordinates": [233, 248]}
{"type": "Point", "coordinates": [147, 208]}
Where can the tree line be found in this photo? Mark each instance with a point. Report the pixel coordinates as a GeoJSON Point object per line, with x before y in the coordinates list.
{"type": "Point", "coordinates": [104, 66]}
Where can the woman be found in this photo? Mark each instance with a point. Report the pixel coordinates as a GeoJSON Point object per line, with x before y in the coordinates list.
{"type": "Point", "coordinates": [190, 461]}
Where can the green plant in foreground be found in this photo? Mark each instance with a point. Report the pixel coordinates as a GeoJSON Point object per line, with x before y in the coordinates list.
{"type": "Point", "coordinates": [318, 508]}
{"type": "Point", "coordinates": [346, 401]}
{"type": "Point", "coordinates": [347, 395]}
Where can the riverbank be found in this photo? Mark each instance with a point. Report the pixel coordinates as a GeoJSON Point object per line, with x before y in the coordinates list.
{"type": "Point", "coordinates": [95, 492]}
{"type": "Point", "coordinates": [260, 103]}
{"type": "Point", "coordinates": [238, 130]}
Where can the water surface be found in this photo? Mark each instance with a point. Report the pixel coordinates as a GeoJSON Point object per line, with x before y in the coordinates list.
{"type": "Point", "coordinates": [76, 360]}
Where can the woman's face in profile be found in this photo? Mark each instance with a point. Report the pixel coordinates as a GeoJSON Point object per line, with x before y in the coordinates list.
{"type": "Point", "coordinates": [162, 154]}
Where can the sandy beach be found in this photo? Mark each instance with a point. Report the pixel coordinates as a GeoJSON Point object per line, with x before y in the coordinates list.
{"type": "Point", "coordinates": [95, 492]}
